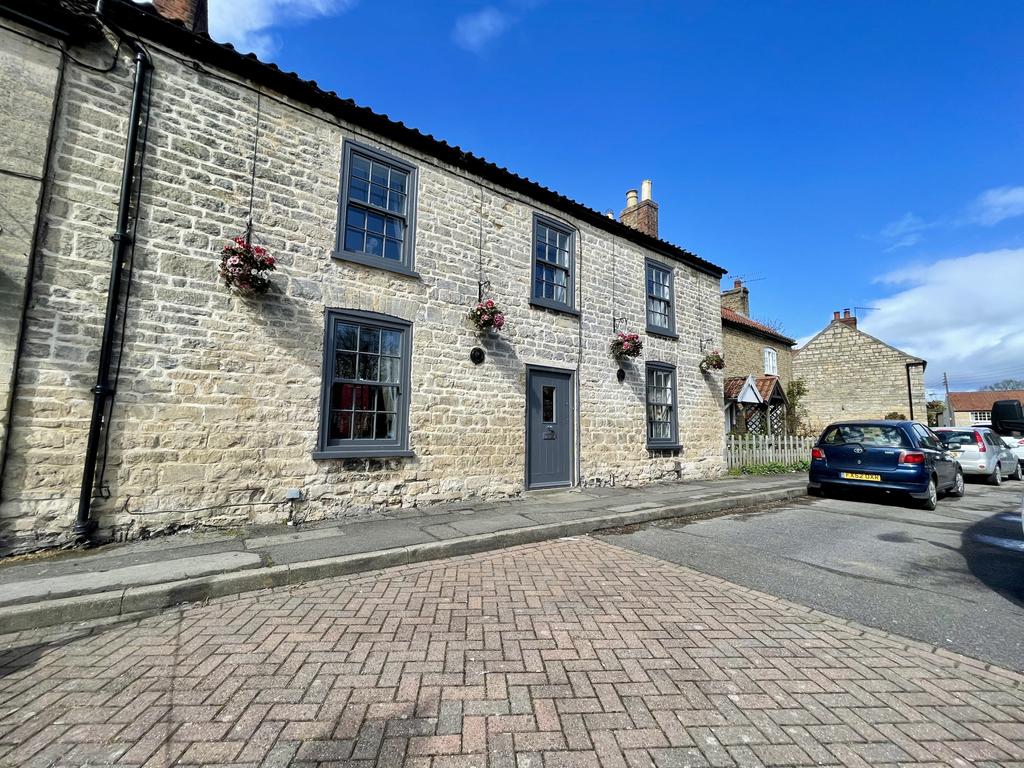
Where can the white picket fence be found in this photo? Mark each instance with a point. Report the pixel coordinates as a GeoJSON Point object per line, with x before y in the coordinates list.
{"type": "Point", "coordinates": [742, 450]}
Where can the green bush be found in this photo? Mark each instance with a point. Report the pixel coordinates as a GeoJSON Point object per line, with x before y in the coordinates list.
{"type": "Point", "coordinates": [771, 468]}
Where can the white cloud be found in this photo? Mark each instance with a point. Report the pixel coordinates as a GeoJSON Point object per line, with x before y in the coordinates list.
{"type": "Point", "coordinates": [961, 315]}
{"type": "Point", "coordinates": [904, 232]}
{"type": "Point", "coordinates": [995, 205]}
{"type": "Point", "coordinates": [246, 24]}
{"type": "Point", "coordinates": [473, 31]}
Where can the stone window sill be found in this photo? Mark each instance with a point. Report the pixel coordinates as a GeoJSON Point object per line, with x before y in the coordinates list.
{"type": "Point", "coordinates": [364, 453]}
{"type": "Point", "coordinates": [377, 263]}
{"type": "Point", "coordinates": [664, 333]}
{"type": "Point", "coordinates": [553, 307]}
{"type": "Point", "coordinates": [664, 447]}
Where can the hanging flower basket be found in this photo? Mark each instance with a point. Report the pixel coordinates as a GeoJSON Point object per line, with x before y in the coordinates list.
{"type": "Point", "coordinates": [487, 317]}
{"type": "Point", "coordinates": [626, 346]}
{"type": "Point", "coordinates": [713, 361]}
{"type": "Point", "coordinates": [245, 268]}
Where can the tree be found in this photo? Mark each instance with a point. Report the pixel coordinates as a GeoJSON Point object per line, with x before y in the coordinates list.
{"type": "Point", "coordinates": [797, 411]}
{"type": "Point", "coordinates": [935, 410]}
{"type": "Point", "coordinates": [773, 323]}
{"type": "Point", "coordinates": [1005, 384]}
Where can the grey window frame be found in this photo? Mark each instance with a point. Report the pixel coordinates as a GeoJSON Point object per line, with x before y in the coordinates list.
{"type": "Point", "coordinates": [397, 447]}
{"type": "Point", "coordinates": [658, 330]}
{"type": "Point", "coordinates": [406, 266]}
{"type": "Point", "coordinates": [544, 303]}
{"type": "Point", "coordinates": [661, 444]}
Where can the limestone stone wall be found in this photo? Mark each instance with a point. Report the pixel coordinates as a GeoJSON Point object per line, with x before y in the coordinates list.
{"type": "Point", "coordinates": [28, 81]}
{"type": "Point", "coordinates": [851, 375]}
{"type": "Point", "coordinates": [744, 354]}
{"type": "Point", "coordinates": [217, 408]}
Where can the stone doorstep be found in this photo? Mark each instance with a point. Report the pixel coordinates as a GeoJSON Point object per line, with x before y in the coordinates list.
{"type": "Point", "coordinates": [150, 593]}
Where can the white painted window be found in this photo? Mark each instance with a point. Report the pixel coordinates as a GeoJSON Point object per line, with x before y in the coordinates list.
{"type": "Point", "coordinates": [981, 415]}
{"type": "Point", "coordinates": [771, 362]}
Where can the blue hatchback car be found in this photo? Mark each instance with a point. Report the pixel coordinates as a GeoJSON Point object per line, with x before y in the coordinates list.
{"type": "Point", "coordinates": [903, 456]}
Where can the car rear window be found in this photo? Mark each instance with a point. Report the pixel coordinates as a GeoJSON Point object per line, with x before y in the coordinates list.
{"type": "Point", "coordinates": [866, 434]}
{"type": "Point", "coordinates": [958, 437]}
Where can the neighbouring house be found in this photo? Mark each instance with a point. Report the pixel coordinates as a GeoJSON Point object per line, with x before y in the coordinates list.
{"type": "Point", "coordinates": [145, 395]}
{"type": "Point", "coordinates": [850, 374]}
{"type": "Point", "coordinates": [969, 408]}
{"type": "Point", "coordinates": [758, 368]}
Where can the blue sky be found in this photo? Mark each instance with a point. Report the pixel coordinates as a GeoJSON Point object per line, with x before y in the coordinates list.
{"type": "Point", "coordinates": [861, 154]}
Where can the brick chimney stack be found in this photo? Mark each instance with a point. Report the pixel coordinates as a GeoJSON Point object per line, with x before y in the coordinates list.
{"type": "Point", "coordinates": [192, 13]}
{"type": "Point", "coordinates": [737, 298]}
{"type": "Point", "coordinates": [641, 214]}
{"type": "Point", "coordinates": [846, 319]}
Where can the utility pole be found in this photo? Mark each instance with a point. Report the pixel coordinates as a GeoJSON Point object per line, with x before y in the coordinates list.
{"type": "Point", "coordinates": [947, 415]}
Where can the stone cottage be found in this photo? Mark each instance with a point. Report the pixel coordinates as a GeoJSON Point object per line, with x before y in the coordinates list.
{"type": "Point", "coordinates": [969, 408]}
{"type": "Point", "coordinates": [852, 375]}
{"type": "Point", "coordinates": [144, 395]}
{"type": "Point", "coordinates": [758, 368]}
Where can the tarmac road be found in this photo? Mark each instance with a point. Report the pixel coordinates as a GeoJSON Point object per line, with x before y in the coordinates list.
{"type": "Point", "coordinates": [953, 577]}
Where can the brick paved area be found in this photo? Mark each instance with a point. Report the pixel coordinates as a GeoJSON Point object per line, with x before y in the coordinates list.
{"type": "Point", "coordinates": [569, 653]}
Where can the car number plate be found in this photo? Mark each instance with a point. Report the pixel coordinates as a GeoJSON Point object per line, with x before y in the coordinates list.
{"type": "Point", "coordinates": [860, 476]}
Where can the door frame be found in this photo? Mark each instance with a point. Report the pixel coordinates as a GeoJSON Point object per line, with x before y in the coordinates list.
{"type": "Point", "coordinates": [570, 373]}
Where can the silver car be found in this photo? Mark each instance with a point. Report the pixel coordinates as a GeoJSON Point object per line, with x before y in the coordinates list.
{"type": "Point", "coordinates": [981, 451]}
{"type": "Point", "coordinates": [1015, 444]}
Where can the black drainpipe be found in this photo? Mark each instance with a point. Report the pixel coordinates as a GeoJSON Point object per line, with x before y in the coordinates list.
{"type": "Point", "coordinates": [84, 526]}
{"type": "Point", "coordinates": [910, 390]}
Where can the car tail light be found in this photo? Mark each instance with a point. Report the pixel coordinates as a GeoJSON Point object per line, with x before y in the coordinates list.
{"type": "Point", "coordinates": [911, 457]}
{"type": "Point", "coordinates": [980, 441]}
{"type": "Point", "coordinates": [819, 455]}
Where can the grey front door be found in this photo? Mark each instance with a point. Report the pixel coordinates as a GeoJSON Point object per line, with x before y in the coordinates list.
{"type": "Point", "coordinates": [549, 429]}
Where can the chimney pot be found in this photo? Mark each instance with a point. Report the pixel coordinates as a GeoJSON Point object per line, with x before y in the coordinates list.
{"type": "Point", "coordinates": [641, 215]}
{"type": "Point", "coordinates": [846, 313]}
{"type": "Point", "coordinates": [835, 315]}
{"type": "Point", "coordinates": [737, 283]}
{"type": "Point", "coordinates": [645, 189]}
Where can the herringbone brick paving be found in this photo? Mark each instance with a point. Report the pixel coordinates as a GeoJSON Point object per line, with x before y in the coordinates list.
{"type": "Point", "coordinates": [568, 653]}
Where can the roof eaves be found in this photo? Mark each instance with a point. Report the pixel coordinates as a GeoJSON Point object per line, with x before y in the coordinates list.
{"type": "Point", "coordinates": [752, 326]}
{"type": "Point", "coordinates": [146, 23]}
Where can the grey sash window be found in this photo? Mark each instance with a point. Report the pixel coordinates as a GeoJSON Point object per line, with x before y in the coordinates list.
{"type": "Point", "coordinates": [378, 209]}
{"type": "Point", "coordinates": [366, 383]}
{"type": "Point", "coordinates": [660, 299]}
{"type": "Point", "coordinates": [553, 264]}
{"type": "Point", "coordinates": [661, 405]}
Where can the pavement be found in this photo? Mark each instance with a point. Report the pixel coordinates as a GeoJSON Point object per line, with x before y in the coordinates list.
{"type": "Point", "coordinates": [141, 576]}
{"type": "Point", "coordinates": [572, 652]}
{"type": "Point", "coordinates": [952, 578]}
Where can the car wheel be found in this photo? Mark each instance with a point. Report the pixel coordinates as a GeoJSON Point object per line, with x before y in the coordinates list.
{"type": "Point", "coordinates": [957, 491]}
{"type": "Point", "coordinates": [932, 501]}
{"type": "Point", "coordinates": [996, 478]}
{"type": "Point", "coordinates": [817, 492]}
{"type": "Point", "coordinates": [1017, 473]}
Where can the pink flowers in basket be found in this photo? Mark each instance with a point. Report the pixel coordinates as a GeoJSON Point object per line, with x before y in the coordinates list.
{"type": "Point", "coordinates": [244, 267]}
{"type": "Point", "coordinates": [626, 346]}
{"type": "Point", "coordinates": [486, 316]}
